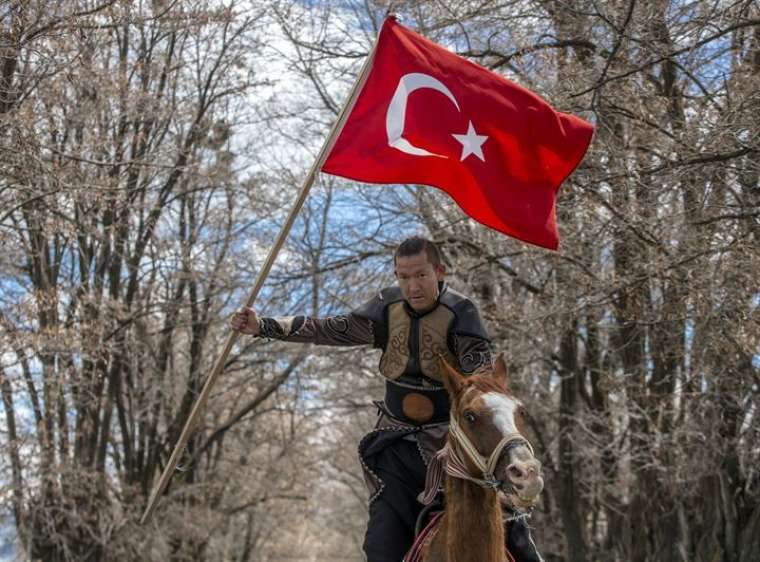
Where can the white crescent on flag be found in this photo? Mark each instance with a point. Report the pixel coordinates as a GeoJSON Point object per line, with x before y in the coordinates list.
{"type": "Point", "coordinates": [394, 119]}
{"type": "Point", "coordinates": [396, 116]}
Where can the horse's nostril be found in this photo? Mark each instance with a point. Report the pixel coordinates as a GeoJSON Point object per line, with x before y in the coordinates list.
{"type": "Point", "coordinates": [515, 471]}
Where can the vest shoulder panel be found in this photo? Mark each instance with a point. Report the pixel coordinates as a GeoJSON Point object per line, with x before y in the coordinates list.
{"type": "Point", "coordinates": [375, 308]}
{"type": "Point", "coordinates": [468, 321]}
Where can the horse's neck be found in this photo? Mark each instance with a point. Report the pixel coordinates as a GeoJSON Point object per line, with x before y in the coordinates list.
{"type": "Point", "coordinates": [473, 523]}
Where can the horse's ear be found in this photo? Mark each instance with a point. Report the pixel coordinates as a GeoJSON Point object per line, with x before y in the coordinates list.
{"type": "Point", "coordinates": [452, 379]}
{"type": "Point", "coordinates": [500, 370]}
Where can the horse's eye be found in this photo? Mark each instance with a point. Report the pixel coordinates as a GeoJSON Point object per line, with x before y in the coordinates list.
{"type": "Point", "coordinates": [470, 417]}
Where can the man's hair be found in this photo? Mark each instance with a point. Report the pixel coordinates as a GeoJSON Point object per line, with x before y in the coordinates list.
{"type": "Point", "coordinates": [415, 245]}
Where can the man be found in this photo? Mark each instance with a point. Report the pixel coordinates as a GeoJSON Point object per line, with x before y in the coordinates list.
{"type": "Point", "coordinates": [414, 324]}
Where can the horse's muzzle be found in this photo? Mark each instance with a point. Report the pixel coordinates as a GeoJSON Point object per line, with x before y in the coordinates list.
{"type": "Point", "coordinates": [523, 475]}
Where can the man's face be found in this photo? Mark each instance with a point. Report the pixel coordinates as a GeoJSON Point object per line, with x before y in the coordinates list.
{"type": "Point", "coordinates": [418, 280]}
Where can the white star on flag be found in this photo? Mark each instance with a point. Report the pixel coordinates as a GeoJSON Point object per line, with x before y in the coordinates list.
{"type": "Point", "coordinates": [471, 143]}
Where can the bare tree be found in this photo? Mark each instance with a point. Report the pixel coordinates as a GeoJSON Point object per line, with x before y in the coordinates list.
{"type": "Point", "coordinates": [120, 215]}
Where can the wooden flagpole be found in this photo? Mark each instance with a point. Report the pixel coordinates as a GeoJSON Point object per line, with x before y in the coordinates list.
{"type": "Point", "coordinates": [232, 338]}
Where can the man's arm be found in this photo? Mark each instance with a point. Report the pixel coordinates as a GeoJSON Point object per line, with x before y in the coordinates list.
{"type": "Point", "coordinates": [473, 353]}
{"type": "Point", "coordinates": [345, 329]}
{"type": "Point", "coordinates": [349, 329]}
{"type": "Point", "coordinates": [470, 341]}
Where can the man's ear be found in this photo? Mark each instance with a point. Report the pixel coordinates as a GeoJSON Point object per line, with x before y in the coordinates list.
{"type": "Point", "coordinates": [440, 271]}
{"type": "Point", "coordinates": [500, 371]}
{"type": "Point", "coordinates": [452, 379]}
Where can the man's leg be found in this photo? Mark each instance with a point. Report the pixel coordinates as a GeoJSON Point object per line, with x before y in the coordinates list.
{"type": "Point", "coordinates": [519, 542]}
{"type": "Point", "coordinates": [390, 530]}
{"type": "Point", "coordinates": [387, 539]}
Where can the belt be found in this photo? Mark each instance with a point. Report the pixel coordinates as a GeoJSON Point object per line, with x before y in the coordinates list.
{"type": "Point", "coordinates": [417, 405]}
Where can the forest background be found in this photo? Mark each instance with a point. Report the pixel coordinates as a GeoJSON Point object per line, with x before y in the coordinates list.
{"type": "Point", "coordinates": [148, 154]}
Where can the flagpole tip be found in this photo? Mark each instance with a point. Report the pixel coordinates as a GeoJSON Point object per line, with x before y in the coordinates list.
{"type": "Point", "coordinates": [391, 13]}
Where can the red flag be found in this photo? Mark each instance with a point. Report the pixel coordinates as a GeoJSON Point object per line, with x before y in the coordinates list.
{"type": "Point", "coordinates": [428, 116]}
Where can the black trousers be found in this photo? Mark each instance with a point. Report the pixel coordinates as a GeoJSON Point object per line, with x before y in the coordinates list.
{"type": "Point", "coordinates": [392, 516]}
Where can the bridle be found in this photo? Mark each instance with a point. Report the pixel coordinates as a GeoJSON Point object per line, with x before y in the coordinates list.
{"type": "Point", "coordinates": [457, 468]}
{"type": "Point", "coordinates": [450, 460]}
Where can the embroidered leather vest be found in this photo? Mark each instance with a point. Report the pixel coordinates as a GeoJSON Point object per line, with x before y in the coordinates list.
{"type": "Point", "coordinates": [416, 341]}
{"type": "Point", "coordinates": [412, 342]}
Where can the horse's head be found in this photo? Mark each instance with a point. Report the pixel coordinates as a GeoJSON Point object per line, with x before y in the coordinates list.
{"type": "Point", "coordinates": [487, 418]}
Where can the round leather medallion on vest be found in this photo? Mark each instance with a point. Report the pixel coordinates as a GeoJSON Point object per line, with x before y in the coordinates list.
{"type": "Point", "coordinates": [417, 407]}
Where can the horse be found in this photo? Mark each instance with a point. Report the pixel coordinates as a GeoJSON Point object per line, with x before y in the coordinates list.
{"type": "Point", "coordinates": [486, 459]}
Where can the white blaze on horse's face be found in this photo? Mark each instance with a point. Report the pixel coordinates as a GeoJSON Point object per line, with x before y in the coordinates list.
{"type": "Point", "coordinates": [503, 409]}
{"type": "Point", "coordinates": [523, 470]}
